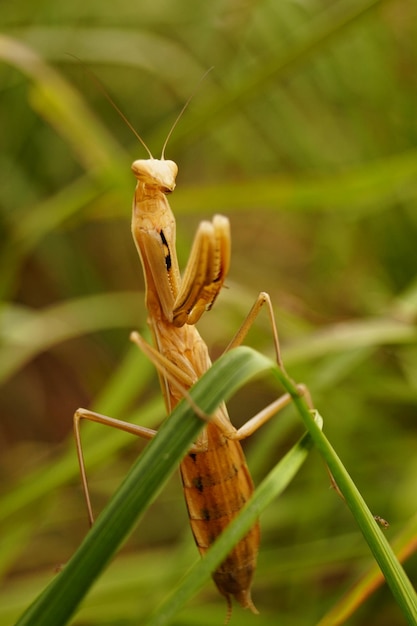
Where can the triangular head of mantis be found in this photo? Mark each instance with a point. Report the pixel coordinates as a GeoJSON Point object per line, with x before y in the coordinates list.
{"type": "Point", "coordinates": [156, 173]}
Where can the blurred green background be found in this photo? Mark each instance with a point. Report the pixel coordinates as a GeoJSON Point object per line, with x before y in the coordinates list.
{"type": "Point", "coordinates": [305, 135]}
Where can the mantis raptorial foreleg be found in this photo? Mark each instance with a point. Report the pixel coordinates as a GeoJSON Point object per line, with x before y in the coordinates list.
{"type": "Point", "coordinates": [206, 270]}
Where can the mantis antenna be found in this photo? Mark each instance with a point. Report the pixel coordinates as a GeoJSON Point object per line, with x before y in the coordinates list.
{"type": "Point", "coordinates": [108, 97]}
{"type": "Point", "coordinates": [180, 114]}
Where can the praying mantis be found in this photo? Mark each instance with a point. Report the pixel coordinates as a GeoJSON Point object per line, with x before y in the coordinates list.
{"type": "Point", "coordinates": [215, 476]}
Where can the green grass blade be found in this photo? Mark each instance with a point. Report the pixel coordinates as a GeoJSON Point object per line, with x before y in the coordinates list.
{"type": "Point", "coordinates": [160, 458]}
{"type": "Point", "coordinates": [390, 566]}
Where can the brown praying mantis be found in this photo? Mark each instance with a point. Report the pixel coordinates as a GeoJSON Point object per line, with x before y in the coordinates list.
{"type": "Point", "coordinates": [215, 476]}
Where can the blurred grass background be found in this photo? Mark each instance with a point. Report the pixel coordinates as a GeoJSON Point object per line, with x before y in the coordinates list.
{"type": "Point", "coordinates": [304, 134]}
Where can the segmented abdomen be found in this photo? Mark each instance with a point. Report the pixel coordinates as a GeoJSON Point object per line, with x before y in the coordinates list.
{"type": "Point", "coordinates": [217, 484]}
